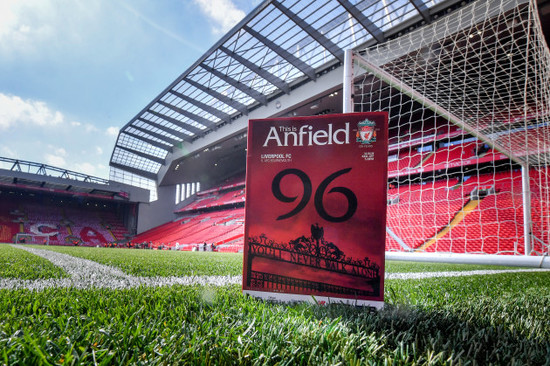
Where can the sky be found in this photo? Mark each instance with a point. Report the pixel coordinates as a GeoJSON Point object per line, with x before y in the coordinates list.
{"type": "Point", "coordinates": [73, 72]}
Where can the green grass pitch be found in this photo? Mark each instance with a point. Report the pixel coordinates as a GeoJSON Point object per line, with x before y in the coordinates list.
{"type": "Point", "coordinates": [501, 319]}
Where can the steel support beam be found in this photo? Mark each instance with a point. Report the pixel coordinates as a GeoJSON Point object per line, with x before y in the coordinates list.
{"type": "Point", "coordinates": [167, 129]}
{"type": "Point", "coordinates": [185, 126]}
{"type": "Point", "coordinates": [205, 107]}
{"type": "Point", "coordinates": [313, 33]}
{"type": "Point", "coordinates": [365, 22]}
{"type": "Point", "coordinates": [219, 96]}
{"type": "Point", "coordinates": [16, 166]}
{"type": "Point", "coordinates": [149, 141]}
{"type": "Point", "coordinates": [257, 96]}
{"type": "Point", "coordinates": [191, 116]}
{"type": "Point", "coordinates": [422, 9]}
{"type": "Point", "coordinates": [330, 81]}
{"type": "Point", "coordinates": [264, 74]}
{"type": "Point", "coordinates": [289, 57]}
{"type": "Point", "coordinates": [157, 135]}
{"type": "Point", "coordinates": [142, 154]}
{"type": "Point", "coordinates": [136, 171]}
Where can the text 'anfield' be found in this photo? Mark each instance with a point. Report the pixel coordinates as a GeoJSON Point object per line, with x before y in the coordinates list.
{"type": "Point", "coordinates": [305, 135]}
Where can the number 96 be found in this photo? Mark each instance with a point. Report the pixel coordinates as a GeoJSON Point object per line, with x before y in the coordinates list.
{"type": "Point", "coordinates": [318, 199]}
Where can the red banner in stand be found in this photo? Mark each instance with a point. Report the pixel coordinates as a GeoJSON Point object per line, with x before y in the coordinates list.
{"type": "Point", "coordinates": [315, 216]}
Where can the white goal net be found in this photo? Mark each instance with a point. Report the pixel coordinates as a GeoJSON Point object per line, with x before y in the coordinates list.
{"type": "Point", "coordinates": [468, 98]}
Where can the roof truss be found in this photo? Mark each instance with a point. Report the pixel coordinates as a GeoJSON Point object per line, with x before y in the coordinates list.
{"type": "Point", "coordinates": [219, 96]}
{"type": "Point", "coordinates": [259, 97]}
{"type": "Point", "coordinates": [257, 59]}
{"type": "Point", "coordinates": [148, 141]}
{"type": "Point", "coordinates": [142, 154]}
{"type": "Point", "coordinates": [258, 70]}
{"type": "Point", "coordinates": [313, 33]}
{"type": "Point", "coordinates": [140, 172]}
{"type": "Point", "coordinates": [293, 60]}
{"type": "Point", "coordinates": [191, 116]}
{"type": "Point", "coordinates": [205, 107]}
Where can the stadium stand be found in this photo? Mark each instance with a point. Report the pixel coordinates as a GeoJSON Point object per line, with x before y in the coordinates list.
{"type": "Point", "coordinates": [418, 211]}
{"type": "Point", "coordinates": [460, 211]}
{"type": "Point", "coordinates": [229, 193]}
{"type": "Point", "coordinates": [216, 216]}
{"type": "Point", "coordinates": [444, 213]}
{"type": "Point", "coordinates": [65, 222]}
{"type": "Point", "coordinates": [217, 199]}
{"type": "Point", "coordinates": [223, 228]}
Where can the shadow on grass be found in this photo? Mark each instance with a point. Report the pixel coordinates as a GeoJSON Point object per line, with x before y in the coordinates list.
{"type": "Point", "coordinates": [475, 320]}
{"type": "Point", "coordinates": [412, 333]}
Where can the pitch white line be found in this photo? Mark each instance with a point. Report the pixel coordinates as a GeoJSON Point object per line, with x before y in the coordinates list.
{"type": "Point", "coordinates": [85, 273]}
{"type": "Point", "coordinates": [88, 274]}
{"type": "Point", "coordinates": [422, 275]}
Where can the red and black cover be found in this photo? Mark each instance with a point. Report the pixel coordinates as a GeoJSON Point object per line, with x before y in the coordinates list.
{"type": "Point", "coordinates": [315, 214]}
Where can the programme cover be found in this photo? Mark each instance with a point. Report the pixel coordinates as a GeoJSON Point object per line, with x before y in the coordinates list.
{"type": "Point", "coordinates": [315, 214]}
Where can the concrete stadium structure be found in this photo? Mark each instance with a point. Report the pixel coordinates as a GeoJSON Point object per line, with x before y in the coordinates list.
{"type": "Point", "coordinates": [62, 205]}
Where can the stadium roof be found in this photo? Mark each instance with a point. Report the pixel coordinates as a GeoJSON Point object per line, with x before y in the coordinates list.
{"type": "Point", "coordinates": [16, 165]}
{"type": "Point", "coordinates": [25, 175]}
{"type": "Point", "coordinates": [280, 45]}
{"type": "Point", "coordinates": [22, 175]}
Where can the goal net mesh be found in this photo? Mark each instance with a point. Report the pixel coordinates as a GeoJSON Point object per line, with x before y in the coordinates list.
{"type": "Point", "coordinates": [468, 98]}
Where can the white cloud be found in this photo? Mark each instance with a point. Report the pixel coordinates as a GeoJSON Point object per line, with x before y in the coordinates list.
{"type": "Point", "coordinates": [55, 160]}
{"type": "Point", "coordinates": [102, 171]}
{"type": "Point", "coordinates": [112, 131]}
{"type": "Point", "coordinates": [8, 153]}
{"type": "Point", "coordinates": [42, 134]}
{"type": "Point", "coordinates": [93, 169]}
{"type": "Point", "coordinates": [78, 162]}
{"type": "Point", "coordinates": [86, 127]}
{"type": "Point", "coordinates": [57, 151]}
{"type": "Point", "coordinates": [15, 111]}
{"type": "Point", "coordinates": [56, 156]}
{"type": "Point", "coordinates": [85, 168]}
{"type": "Point", "coordinates": [23, 23]}
{"type": "Point", "coordinates": [90, 128]}
{"type": "Point", "coordinates": [223, 13]}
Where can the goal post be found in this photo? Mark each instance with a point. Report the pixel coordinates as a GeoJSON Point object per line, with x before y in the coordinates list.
{"type": "Point", "coordinates": [24, 238]}
{"type": "Point", "coordinates": [469, 105]}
